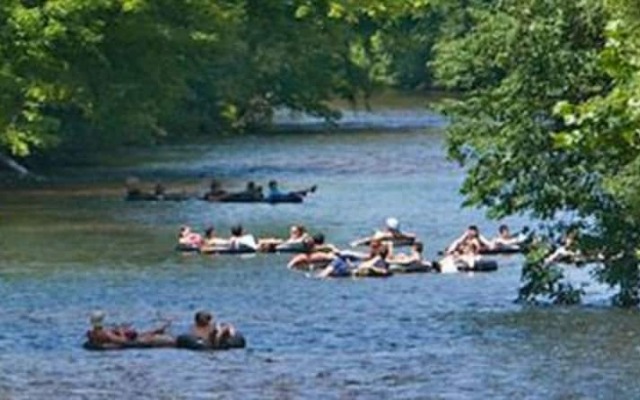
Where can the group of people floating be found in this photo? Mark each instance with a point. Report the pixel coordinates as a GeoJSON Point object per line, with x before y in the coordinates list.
{"type": "Point", "coordinates": [381, 259]}
{"type": "Point", "coordinates": [326, 260]}
{"type": "Point", "coordinates": [252, 193]}
{"type": "Point", "coordinates": [204, 333]}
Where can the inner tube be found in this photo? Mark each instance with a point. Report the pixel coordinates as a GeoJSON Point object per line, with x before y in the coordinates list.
{"type": "Point", "coordinates": [156, 197]}
{"type": "Point", "coordinates": [370, 273]}
{"type": "Point", "coordinates": [284, 198]}
{"type": "Point", "coordinates": [291, 247]}
{"type": "Point", "coordinates": [88, 345]}
{"type": "Point", "coordinates": [191, 342]}
{"type": "Point", "coordinates": [420, 267]}
{"type": "Point", "coordinates": [479, 266]}
{"type": "Point", "coordinates": [185, 248]}
{"type": "Point", "coordinates": [396, 241]}
{"type": "Point", "coordinates": [228, 250]}
{"type": "Point", "coordinates": [502, 250]}
{"type": "Point", "coordinates": [240, 198]}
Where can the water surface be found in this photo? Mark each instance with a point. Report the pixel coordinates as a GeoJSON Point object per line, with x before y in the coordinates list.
{"type": "Point", "coordinates": [74, 247]}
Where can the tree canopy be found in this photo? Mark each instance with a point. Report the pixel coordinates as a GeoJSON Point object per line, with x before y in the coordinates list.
{"type": "Point", "coordinates": [93, 74]}
{"type": "Point", "coordinates": [548, 126]}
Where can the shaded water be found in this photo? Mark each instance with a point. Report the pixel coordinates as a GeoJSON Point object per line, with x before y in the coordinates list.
{"type": "Point", "coordinates": [66, 251]}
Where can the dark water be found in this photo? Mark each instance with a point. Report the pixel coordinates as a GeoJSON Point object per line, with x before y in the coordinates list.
{"type": "Point", "coordinates": [67, 251]}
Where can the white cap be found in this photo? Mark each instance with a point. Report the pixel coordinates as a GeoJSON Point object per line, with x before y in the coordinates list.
{"type": "Point", "coordinates": [393, 223]}
{"type": "Point", "coordinates": [97, 318]}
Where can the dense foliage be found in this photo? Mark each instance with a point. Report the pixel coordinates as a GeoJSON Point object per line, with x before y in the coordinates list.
{"type": "Point", "coordinates": [549, 126]}
{"type": "Point", "coordinates": [78, 74]}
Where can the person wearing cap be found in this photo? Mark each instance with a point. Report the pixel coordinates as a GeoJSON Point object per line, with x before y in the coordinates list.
{"type": "Point", "coordinates": [389, 233]}
{"type": "Point", "coordinates": [123, 336]}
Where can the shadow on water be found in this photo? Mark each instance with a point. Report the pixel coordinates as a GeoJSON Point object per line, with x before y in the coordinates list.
{"type": "Point", "coordinates": [67, 250]}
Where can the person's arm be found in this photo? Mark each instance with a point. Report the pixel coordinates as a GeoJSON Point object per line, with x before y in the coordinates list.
{"type": "Point", "coordinates": [361, 241]}
{"type": "Point", "coordinates": [371, 265]}
{"type": "Point", "coordinates": [298, 260]}
{"type": "Point", "coordinates": [484, 242]}
{"type": "Point", "coordinates": [456, 243]}
{"type": "Point", "coordinates": [404, 259]}
{"type": "Point", "coordinates": [114, 337]}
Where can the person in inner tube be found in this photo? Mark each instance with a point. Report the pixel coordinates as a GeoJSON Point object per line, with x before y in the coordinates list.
{"type": "Point", "coordinates": [298, 236]}
{"type": "Point", "coordinates": [344, 265]}
{"type": "Point", "coordinates": [124, 335]}
{"type": "Point", "coordinates": [376, 265]}
{"type": "Point", "coordinates": [318, 252]}
{"type": "Point", "coordinates": [470, 243]}
{"type": "Point", "coordinates": [415, 257]}
{"type": "Point", "coordinates": [239, 240]}
{"type": "Point", "coordinates": [206, 331]}
{"type": "Point", "coordinates": [189, 239]}
{"type": "Point", "coordinates": [275, 193]}
{"type": "Point", "coordinates": [567, 251]}
{"type": "Point", "coordinates": [390, 232]}
{"type": "Point", "coordinates": [506, 240]}
{"type": "Point", "coordinates": [216, 192]}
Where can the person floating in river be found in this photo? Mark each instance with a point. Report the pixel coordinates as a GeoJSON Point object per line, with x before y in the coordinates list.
{"type": "Point", "coordinates": [240, 240]}
{"type": "Point", "coordinates": [208, 332]}
{"type": "Point", "coordinates": [212, 241]}
{"type": "Point", "coordinates": [318, 254]}
{"type": "Point", "coordinates": [215, 192]}
{"type": "Point", "coordinates": [471, 242]}
{"type": "Point", "coordinates": [297, 239]}
{"type": "Point", "coordinates": [568, 249]}
{"type": "Point", "coordinates": [189, 239]}
{"type": "Point", "coordinates": [506, 240]}
{"type": "Point", "coordinates": [346, 263]}
{"type": "Point", "coordinates": [377, 265]}
{"type": "Point", "coordinates": [391, 232]}
{"type": "Point", "coordinates": [415, 257]}
{"type": "Point", "coordinates": [466, 250]}
{"type": "Point", "coordinates": [274, 194]}
{"type": "Point", "coordinates": [122, 336]}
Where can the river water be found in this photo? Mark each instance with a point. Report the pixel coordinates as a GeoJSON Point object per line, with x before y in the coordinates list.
{"type": "Point", "coordinates": [75, 246]}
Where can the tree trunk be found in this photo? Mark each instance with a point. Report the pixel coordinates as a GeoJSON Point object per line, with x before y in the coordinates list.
{"type": "Point", "coordinates": [16, 167]}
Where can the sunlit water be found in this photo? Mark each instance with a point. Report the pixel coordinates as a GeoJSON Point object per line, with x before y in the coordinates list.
{"type": "Point", "coordinates": [66, 251]}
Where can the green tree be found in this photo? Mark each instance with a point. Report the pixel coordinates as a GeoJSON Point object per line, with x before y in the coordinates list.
{"type": "Point", "coordinates": [538, 132]}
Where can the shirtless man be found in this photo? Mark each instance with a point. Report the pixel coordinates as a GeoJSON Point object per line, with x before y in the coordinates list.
{"type": "Point", "coordinates": [121, 336]}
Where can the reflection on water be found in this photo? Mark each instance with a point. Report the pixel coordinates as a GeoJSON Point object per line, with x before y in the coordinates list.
{"type": "Point", "coordinates": [66, 252]}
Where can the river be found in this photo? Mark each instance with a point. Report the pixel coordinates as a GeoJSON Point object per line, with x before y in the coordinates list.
{"type": "Point", "coordinates": [75, 246]}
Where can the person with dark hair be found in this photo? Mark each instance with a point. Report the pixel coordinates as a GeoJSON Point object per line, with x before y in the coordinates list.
{"type": "Point", "coordinates": [414, 257]}
{"type": "Point", "coordinates": [211, 241]}
{"type": "Point", "coordinates": [206, 330]}
{"type": "Point", "coordinates": [240, 240]}
{"type": "Point", "coordinates": [567, 251]}
{"type": "Point", "coordinates": [318, 254]}
{"type": "Point", "coordinates": [377, 265]}
{"type": "Point", "coordinates": [471, 242]}
{"type": "Point", "coordinates": [274, 193]}
{"type": "Point", "coordinates": [347, 263]}
{"type": "Point", "coordinates": [215, 193]}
